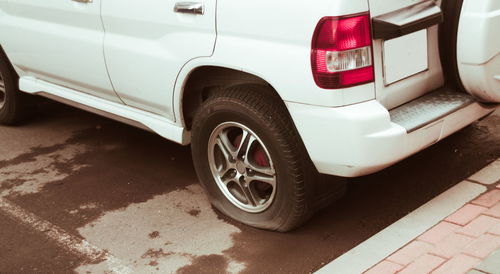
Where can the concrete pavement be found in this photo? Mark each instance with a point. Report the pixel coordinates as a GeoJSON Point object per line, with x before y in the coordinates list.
{"type": "Point", "coordinates": [83, 193]}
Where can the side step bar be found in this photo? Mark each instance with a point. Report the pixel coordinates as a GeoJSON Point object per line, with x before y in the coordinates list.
{"type": "Point", "coordinates": [429, 108]}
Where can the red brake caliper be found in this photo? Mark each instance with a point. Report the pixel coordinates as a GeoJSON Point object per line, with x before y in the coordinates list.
{"type": "Point", "coordinates": [259, 155]}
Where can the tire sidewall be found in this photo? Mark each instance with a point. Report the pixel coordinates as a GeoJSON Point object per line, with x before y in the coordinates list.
{"type": "Point", "coordinates": [216, 113]}
{"type": "Point", "coordinates": [448, 33]}
{"type": "Point", "coordinates": [10, 87]}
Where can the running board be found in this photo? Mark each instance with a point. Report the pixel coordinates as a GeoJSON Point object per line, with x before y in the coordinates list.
{"type": "Point", "coordinates": [429, 108]}
{"type": "Point", "coordinates": [123, 113]}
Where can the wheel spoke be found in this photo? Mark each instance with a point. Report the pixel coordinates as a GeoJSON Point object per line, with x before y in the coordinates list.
{"type": "Point", "coordinates": [248, 194]}
{"type": "Point", "coordinates": [226, 180]}
{"type": "Point", "coordinates": [2, 84]}
{"type": "Point", "coordinates": [269, 171]}
{"type": "Point", "coordinates": [226, 147]}
{"type": "Point", "coordinates": [2, 91]}
{"type": "Point", "coordinates": [245, 150]}
{"type": "Point", "coordinates": [225, 170]}
{"type": "Point", "coordinates": [263, 178]}
{"type": "Point", "coordinates": [242, 149]}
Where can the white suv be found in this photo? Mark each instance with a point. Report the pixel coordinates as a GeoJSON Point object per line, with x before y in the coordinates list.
{"type": "Point", "coordinates": [270, 94]}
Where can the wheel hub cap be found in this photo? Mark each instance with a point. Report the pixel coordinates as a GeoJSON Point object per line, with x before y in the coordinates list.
{"type": "Point", "coordinates": [240, 167]}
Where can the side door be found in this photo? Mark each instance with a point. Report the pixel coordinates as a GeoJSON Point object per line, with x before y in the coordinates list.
{"type": "Point", "coordinates": [58, 41]}
{"type": "Point", "coordinates": [148, 42]}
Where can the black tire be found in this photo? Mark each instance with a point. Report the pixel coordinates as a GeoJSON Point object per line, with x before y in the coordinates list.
{"type": "Point", "coordinates": [448, 42]}
{"type": "Point", "coordinates": [300, 190]}
{"type": "Point", "coordinates": [14, 105]}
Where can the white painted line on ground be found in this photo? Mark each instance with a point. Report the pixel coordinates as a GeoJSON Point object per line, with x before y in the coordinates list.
{"type": "Point", "coordinates": [387, 241]}
{"type": "Point", "coordinates": [63, 239]}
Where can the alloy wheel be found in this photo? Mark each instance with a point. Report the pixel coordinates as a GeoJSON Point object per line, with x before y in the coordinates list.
{"type": "Point", "coordinates": [242, 167]}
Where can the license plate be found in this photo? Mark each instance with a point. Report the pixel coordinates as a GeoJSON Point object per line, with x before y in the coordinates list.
{"type": "Point", "coordinates": [405, 56]}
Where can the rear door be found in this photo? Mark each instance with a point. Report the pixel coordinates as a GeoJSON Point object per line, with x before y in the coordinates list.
{"type": "Point", "coordinates": [148, 42]}
{"type": "Point", "coordinates": [58, 41]}
{"type": "Point", "coordinates": [406, 51]}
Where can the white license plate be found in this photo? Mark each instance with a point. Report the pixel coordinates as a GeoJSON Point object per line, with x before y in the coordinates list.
{"type": "Point", "coordinates": [405, 56]}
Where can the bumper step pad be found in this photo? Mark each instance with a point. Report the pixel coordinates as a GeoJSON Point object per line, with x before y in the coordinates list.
{"type": "Point", "coordinates": [429, 108]}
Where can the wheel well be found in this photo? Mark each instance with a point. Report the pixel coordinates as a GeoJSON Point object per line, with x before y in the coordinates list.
{"type": "Point", "coordinates": [4, 55]}
{"type": "Point", "coordinates": [204, 81]}
{"type": "Point", "coordinates": [448, 32]}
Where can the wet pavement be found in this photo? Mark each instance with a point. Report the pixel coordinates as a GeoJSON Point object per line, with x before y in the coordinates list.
{"type": "Point", "coordinates": [135, 198]}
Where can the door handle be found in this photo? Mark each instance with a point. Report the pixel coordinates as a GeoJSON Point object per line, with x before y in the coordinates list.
{"type": "Point", "coordinates": [83, 1]}
{"type": "Point", "coordinates": [189, 7]}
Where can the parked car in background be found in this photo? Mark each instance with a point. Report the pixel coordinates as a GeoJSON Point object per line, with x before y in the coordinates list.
{"type": "Point", "coordinates": [271, 95]}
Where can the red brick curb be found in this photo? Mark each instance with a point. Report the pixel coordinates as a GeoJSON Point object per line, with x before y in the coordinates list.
{"type": "Point", "coordinates": [457, 244]}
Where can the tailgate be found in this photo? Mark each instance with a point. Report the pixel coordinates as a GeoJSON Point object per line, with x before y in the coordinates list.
{"type": "Point", "coordinates": [405, 49]}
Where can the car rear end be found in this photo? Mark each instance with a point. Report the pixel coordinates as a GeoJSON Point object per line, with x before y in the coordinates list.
{"type": "Point", "coordinates": [393, 50]}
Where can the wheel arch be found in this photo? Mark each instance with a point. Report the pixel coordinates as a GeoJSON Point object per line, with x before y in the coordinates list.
{"type": "Point", "coordinates": [3, 54]}
{"type": "Point", "coordinates": [202, 81]}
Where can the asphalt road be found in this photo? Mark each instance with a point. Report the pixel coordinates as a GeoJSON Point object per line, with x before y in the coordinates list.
{"type": "Point", "coordinates": [68, 176]}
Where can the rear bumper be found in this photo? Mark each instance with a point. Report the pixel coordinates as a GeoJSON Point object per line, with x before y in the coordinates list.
{"type": "Point", "coordinates": [361, 139]}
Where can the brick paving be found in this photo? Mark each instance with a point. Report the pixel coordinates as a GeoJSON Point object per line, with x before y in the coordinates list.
{"type": "Point", "coordinates": [467, 241]}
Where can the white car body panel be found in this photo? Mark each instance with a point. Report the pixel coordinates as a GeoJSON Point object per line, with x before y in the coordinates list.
{"type": "Point", "coordinates": [147, 44]}
{"type": "Point", "coordinates": [150, 53]}
{"type": "Point", "coordinates": [59, 41]}
{"type": "Point", "coordinates": [360, 139]}
{"type": "Point", "coordinates": [244, 43]}
{"type": "Point", "coordinates": [479, 29]}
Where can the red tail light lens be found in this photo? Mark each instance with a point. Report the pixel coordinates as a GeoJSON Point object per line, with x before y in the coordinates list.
{"type": "Point", "coordinates": [341, 54]}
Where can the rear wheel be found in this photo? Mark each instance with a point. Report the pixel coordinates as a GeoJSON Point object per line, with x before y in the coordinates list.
{"type": "Point", "coordinates": [14, 105]}
{"type": "Point", "coordinates": [252, 163]}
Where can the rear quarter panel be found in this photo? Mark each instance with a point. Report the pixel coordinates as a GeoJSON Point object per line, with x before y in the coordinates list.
{"type": "Point", "coordinates": [272, 39]}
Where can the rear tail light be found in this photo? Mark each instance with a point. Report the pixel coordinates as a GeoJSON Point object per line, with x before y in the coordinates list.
{"type": "Point", "coordinates": [341, 54]}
